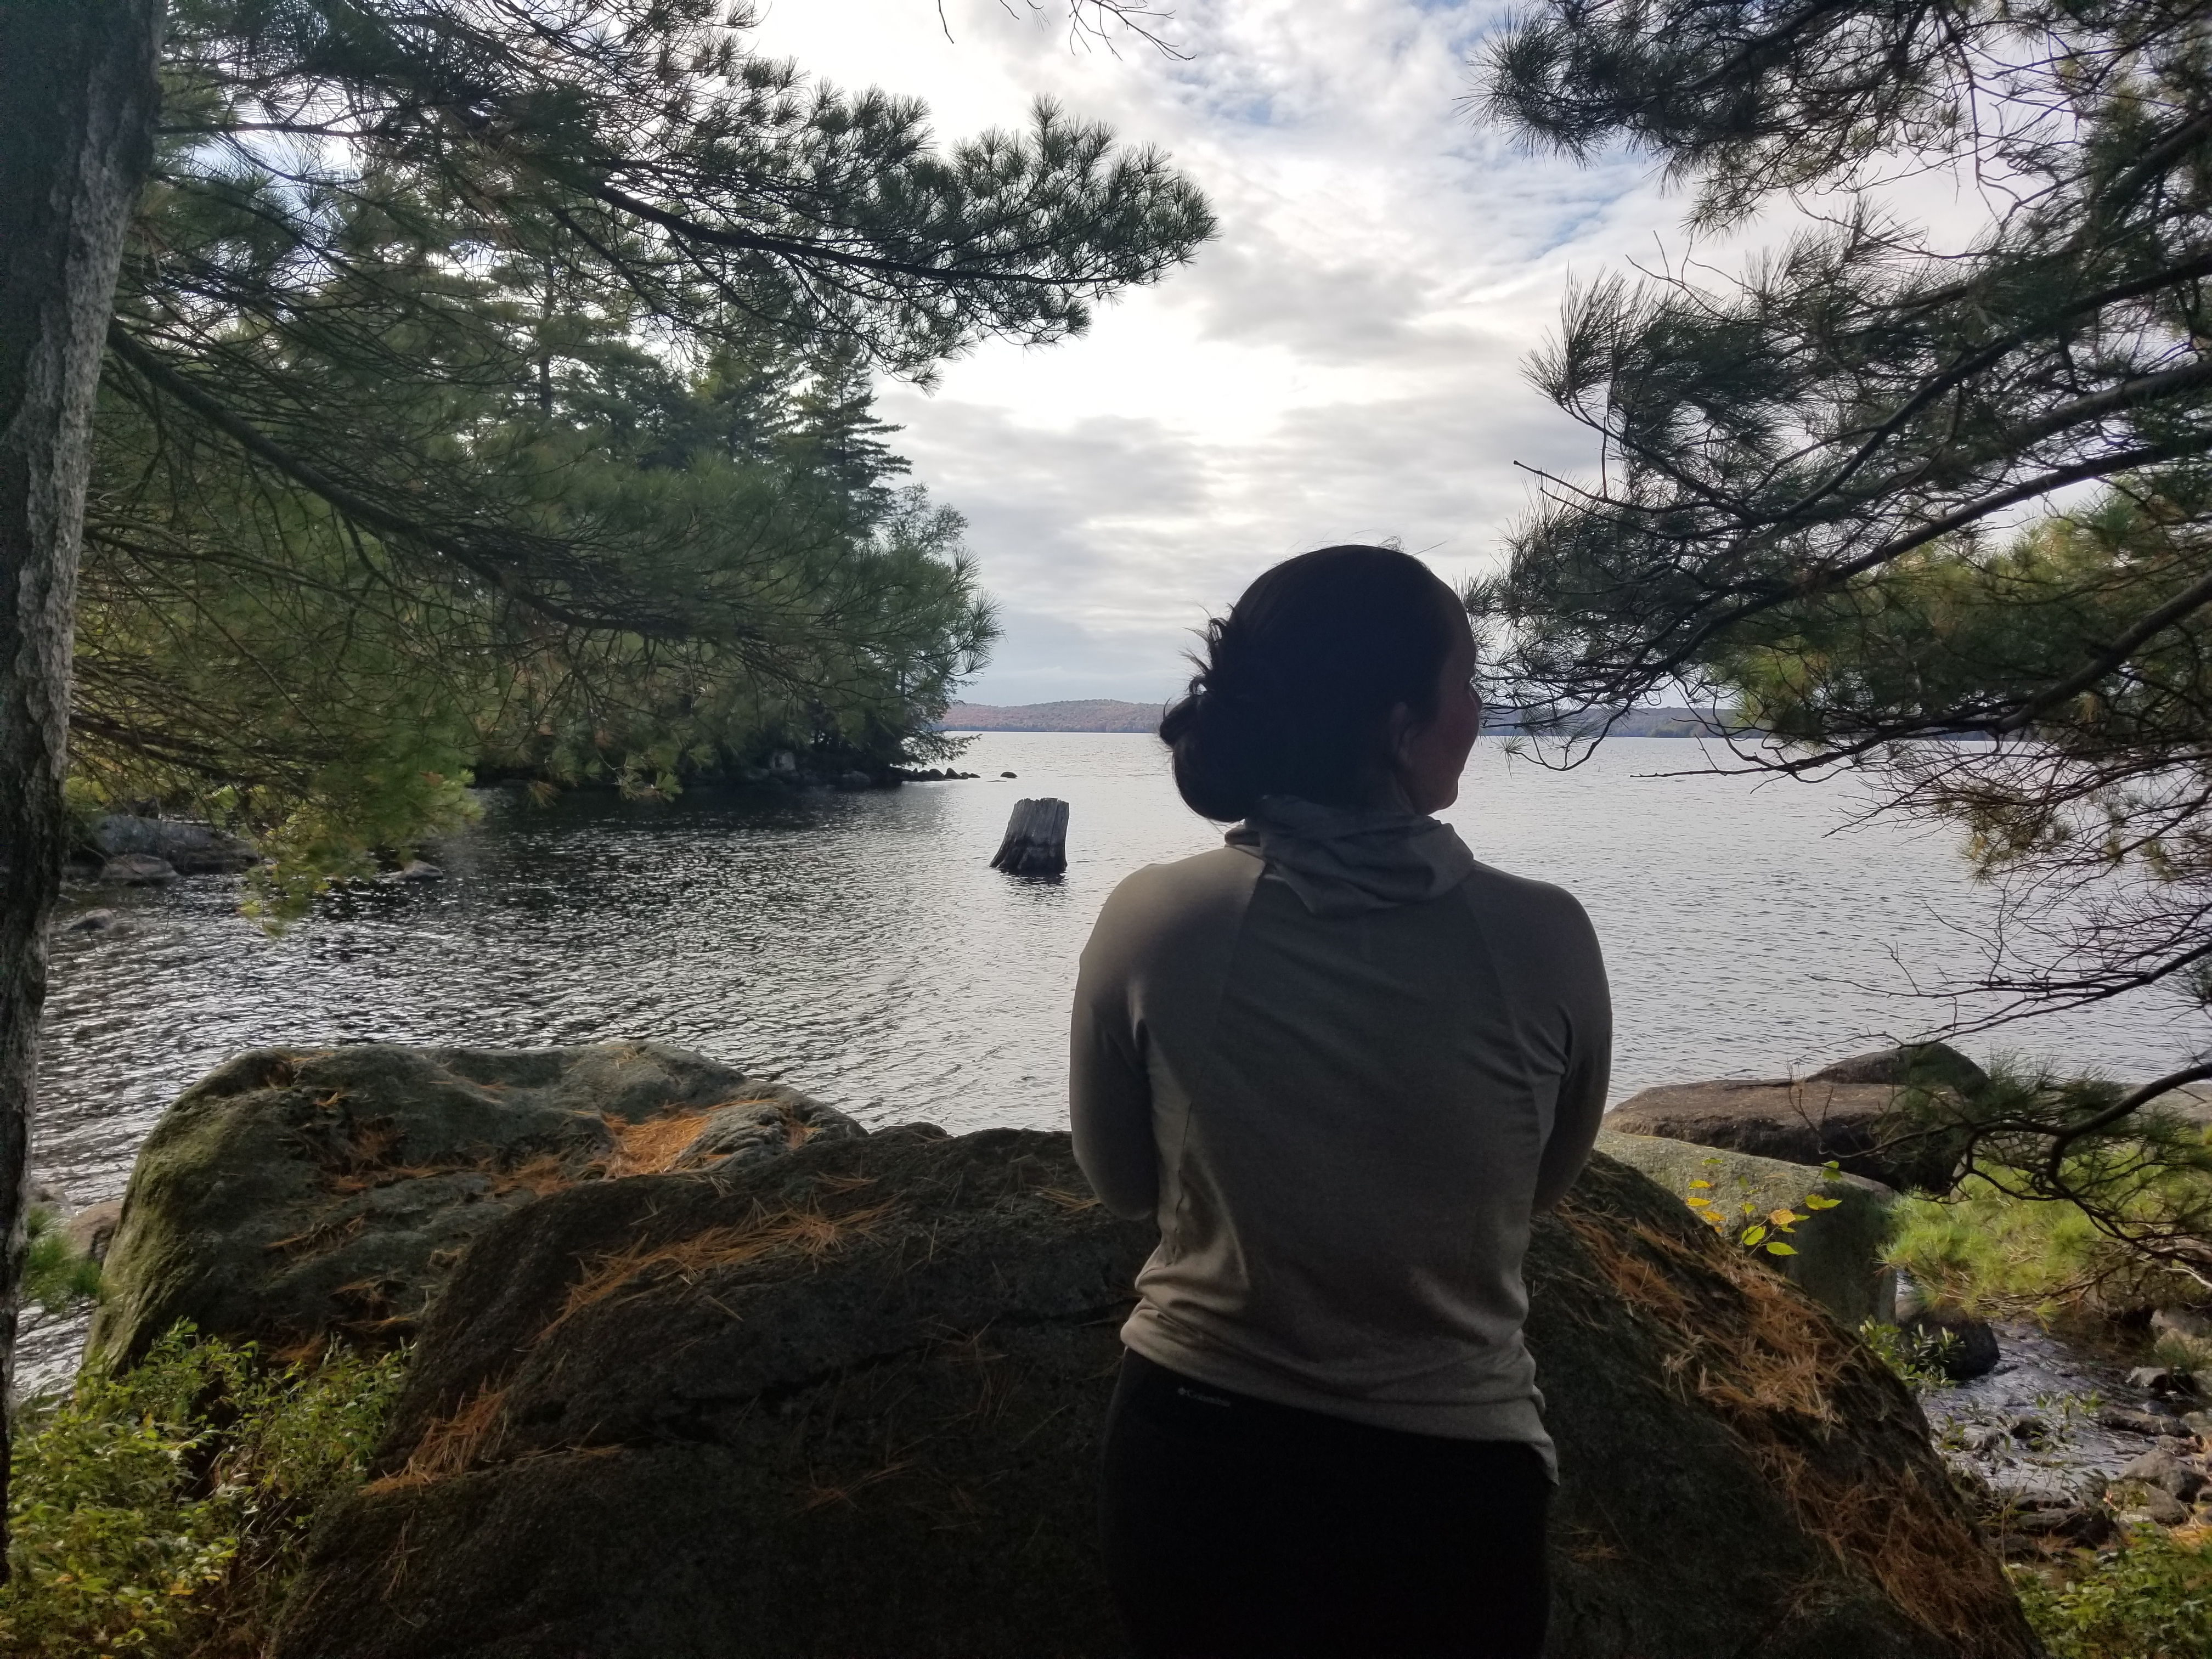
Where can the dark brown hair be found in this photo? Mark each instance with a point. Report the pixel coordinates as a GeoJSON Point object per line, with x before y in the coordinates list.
{"type": "Point", "coordinates": [1295, 685]}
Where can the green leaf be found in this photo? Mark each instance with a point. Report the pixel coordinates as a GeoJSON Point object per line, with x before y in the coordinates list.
{"type": "Point", "coordinates": [1778, 1248]}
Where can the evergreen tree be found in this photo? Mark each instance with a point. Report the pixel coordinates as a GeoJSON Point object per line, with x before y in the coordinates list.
{"type": "Point", "coordinates": [492, 379]}
{"type": "Point", "coordinates": [1884, 489]}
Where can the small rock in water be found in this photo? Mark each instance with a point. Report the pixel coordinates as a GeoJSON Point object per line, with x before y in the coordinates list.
{"type": "Point", "coordinates": [1005, 775]}
{"type": "Point", "coordinates": [89, 921]}
{"type": "Point", "coordinates": [2161, 1379]}
{"type": "Point", "coordinates": [2166, 1472]}
{"type": "Point", "coordinates": [2029, 1516]}
{"type": "Point", "coordinates": [1971, 1349]}
{"type": "Point", "coordinates": [418, 870]}
{"type": "Point", "coordinates": [137, 869]}
{"type": "Point", "coordinates": [2135, 1422]}
{"type": "Point", "coordinates": [2182, 1322]}
{"type": "Point", "coordinates": [92, 1228]}
{"type": "Point", "coordinates": [855, 778]}
{"type": "Point", "coordinates": [2141, 1504]}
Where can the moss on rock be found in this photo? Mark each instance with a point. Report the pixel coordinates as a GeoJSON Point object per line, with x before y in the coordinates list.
{"type": "Point", "coordinates": [293, 1195]}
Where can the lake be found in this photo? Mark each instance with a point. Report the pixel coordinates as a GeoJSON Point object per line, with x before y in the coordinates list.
{"type": "Point", "coordinates": [859, 945]}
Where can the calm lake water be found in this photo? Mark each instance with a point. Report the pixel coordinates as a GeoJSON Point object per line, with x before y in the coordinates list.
{"type": "Point", "coordinates": [861, 946]}
{"type": "Point", "coordinates": [858, 944]}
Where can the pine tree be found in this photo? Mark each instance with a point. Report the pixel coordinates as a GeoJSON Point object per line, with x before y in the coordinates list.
{"type": "Point", "coordinates": [493, 379]}
{"type": "Point", "coordinates": [1882, 490]}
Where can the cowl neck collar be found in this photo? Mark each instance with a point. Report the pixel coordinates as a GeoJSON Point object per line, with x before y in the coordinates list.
{"type": "Point", "coordinates": [1341, 862]}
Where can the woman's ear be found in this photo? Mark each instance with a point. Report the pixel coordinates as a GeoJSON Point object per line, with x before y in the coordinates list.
{"type": "Point", "coordinates": [1397, 731]}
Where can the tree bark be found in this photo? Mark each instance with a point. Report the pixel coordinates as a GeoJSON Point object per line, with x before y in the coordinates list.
{"type": "Point", "coordinates": [78, 96]}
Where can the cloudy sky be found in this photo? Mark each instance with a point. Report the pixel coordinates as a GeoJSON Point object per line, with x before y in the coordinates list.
{"type": "Point", "coordinates": [1342, 363]}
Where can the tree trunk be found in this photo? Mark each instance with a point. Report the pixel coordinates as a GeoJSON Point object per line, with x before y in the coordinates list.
{"type": "Point", "coordinates": [1036, 842]}
{"type": "Point", "coordinates": [77, 102]}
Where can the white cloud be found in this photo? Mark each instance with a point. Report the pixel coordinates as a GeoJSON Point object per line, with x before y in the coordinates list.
{"type": "Point", "coordinates": [1342, 363]}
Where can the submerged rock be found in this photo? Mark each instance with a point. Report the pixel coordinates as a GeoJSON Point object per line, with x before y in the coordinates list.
{"type": "Point", "coordinates": [136, 870]}
{"type": "Point", "coordinates": [292, 1195]}
{"type": "Point", "coordinates": [846, 1403]}
{"type": "Point", "coordinates": [1839, 1251]}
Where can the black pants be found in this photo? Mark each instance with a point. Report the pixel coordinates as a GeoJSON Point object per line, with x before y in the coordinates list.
{"type": "Point", "coordinates": [1237, 1528]}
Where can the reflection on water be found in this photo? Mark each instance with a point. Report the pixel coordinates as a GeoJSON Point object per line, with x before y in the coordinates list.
{"type": "Point", "coordinates": [860, 944]}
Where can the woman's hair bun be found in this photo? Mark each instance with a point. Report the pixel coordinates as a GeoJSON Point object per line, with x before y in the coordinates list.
{"type": "Point", "coordinates": [1293, 688]}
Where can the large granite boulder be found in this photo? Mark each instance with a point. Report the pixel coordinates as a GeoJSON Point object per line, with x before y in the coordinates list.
{"type": "Point", "coordinates": [1839, 1251]}
{"type": "Point", "coordinates": [1919, 1065]}
{"type": "Point", "coordinates": [187, 847]}
{"type": "Point", "coordinates": [292, 1195]}
{"type": "Point", "coordinates": [1849, 1113]}
{"type": "Point", "coordinates": [846, 1404]}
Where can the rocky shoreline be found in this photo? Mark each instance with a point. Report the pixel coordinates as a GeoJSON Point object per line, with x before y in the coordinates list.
{"type": "Point", "coordinates": [654, 1301]}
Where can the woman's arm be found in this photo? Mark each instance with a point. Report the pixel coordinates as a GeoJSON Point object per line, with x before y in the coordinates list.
{"type": "Point", "coordinates": [1588, 1003]}
{"type": "Point", "coordinates": [1109, 1096]}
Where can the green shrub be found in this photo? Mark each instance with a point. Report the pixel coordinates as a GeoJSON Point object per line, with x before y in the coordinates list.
{"type": "Point", "coordinates": [1997, 1256]}
{"type": "Point", "coordinates": [2060, 1205]}
{"type": "Point", "coordinates": [162, 1511]}
{"type": "Point", "coordinates": [2150, 1601]}
{"type": "Point", "coordinates": [54, 1276]}
{"type": "Point", "coordinates": [1918, 1358]}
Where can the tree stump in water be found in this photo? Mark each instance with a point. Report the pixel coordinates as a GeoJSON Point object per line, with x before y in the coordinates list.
{"type": "Point", "coordinates": [1036, 839]}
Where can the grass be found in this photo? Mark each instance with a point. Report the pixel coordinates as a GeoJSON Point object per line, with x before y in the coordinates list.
{"type": "Point", "coordinates": [54, 1275]}
{"type": "Point", "coordinates": [162, 1511]}
{"type": "Point", "coordinates": [1997, 1257]}
{"type": "Point", "coordinates": [2150, 1600]}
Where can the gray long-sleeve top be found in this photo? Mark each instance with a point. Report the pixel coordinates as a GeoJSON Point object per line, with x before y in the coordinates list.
{"type": "Point", "coordinates": [1343, 1121]}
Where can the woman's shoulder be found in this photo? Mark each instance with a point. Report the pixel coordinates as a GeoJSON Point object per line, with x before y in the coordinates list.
{"type": "Point", "coordinates": [1487, 885]}
{"type": "Point", "coordinates": [1162, 902]}
{"type": "Point", "coordinates": [1523, 904]}
{"type": "Point", "coordinates": [1222, 874]}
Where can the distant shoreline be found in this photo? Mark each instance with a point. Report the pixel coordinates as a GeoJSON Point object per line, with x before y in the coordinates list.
{"type": "Point", "coordinates": [1106, 714]}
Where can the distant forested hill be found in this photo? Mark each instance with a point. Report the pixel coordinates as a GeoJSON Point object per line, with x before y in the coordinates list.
{"type": "Point", "coordinates": [1105, 714]}
{"type": "Point", "coordinates": [1085, 715]}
